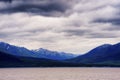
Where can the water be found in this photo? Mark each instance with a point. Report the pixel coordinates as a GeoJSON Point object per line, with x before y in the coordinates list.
{"type": "Point", "coordinates": [59, 73]}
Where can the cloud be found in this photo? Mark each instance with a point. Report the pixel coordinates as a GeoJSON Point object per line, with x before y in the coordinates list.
{"type": "Point", "coordinates": [114, 21]}
{"type": "Point", "coordinates": [102, 35]}
{"type": "Point", "coordinates": [41, 7]}
{"type": "Point", "coordinates": [74, 26]}
{"type": "Point", "coordinates": [6, 0]}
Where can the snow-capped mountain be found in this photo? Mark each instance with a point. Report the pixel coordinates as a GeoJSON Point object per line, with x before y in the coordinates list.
{"type": "Point", "coordinates": [44, 53]}
{"type": "Point", "coordinates": [40, 53]}
{"type": "Point", "coordinates": [14, 50]}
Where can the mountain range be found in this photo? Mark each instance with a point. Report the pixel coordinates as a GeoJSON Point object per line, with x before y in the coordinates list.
{"type": "Point", "coordinates": [14, 56]}
{"type": "Point", "coordinates": [38, 53]}
{"type": "Point", "coordinates": [54, 55]}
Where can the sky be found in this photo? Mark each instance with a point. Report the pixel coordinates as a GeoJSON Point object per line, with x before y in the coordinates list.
{"type": "Point", "coordinates": [74, 26]}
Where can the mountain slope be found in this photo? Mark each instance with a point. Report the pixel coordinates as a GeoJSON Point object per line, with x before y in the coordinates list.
{"type": "Point", "coordinates": [14, 50]}
{"type": "Point", "coordinates": [44, 53]}
{"type": "Point", "coordinates": [13, 56]}
{"type": "Point", "coordinates": [40, 53]}
{"type": "Point", "coordinates": [107, 54]}
{"type": "Point", "coordinates": [8, 60]}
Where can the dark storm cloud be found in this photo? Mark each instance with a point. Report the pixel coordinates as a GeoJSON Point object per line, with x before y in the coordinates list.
{"type": "Point", "coordinates": [42, 7]}
{"type": "Point", "coordinates": [114, 21]}
{"type": "Point", "coordinates": [5, 0]}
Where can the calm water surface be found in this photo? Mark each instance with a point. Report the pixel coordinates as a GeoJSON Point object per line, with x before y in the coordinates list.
{"type": "Point", "coordinates": [60, 74]}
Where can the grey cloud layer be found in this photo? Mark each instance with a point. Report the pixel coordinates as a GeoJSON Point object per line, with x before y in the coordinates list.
{"type": "Point", "coordinates": [70, 26]}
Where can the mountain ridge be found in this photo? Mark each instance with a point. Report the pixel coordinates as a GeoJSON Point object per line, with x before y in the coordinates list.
{"type": "Point", "coordinates": [41, 53]}
{"type": "Point", "coordinates": [105, 55]}
{"type": "Point", "coordinates": [101, 54]}
{"type": "Point", "coordinates": [45, 53]}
